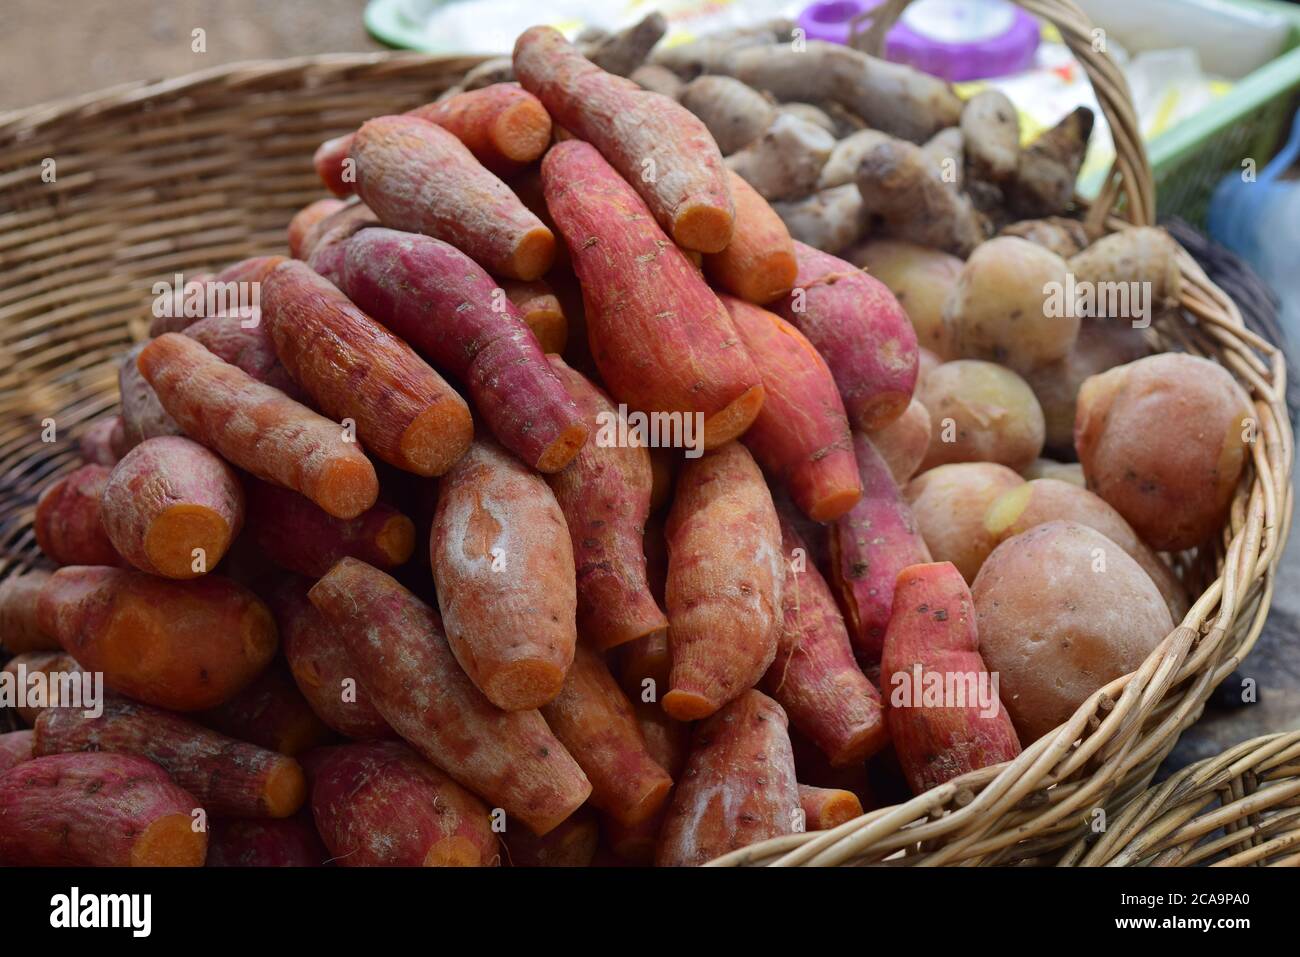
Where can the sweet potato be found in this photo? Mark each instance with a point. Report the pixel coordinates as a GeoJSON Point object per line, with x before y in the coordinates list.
{"type": "Point", "coordinates": [904, 442]}
{"type": "Point", "coordinates": [49, 679]}
{"type": "Point", "coordinates": [143, 416]}
{"type": "Point", "coordinates": [571, 844]}
{"type": "Point", "coordinates": [980, 412]}
{"type": "Point", "coordinates": [944, 714]}
{"type": "Point", "coordinates": [949, 503]}
{"type": "Point", "coordinates": [645, 667]}
{"type": "Point", "coordinates": [322, 669]}
{"type": "Point", "coordinates": [920, 279]}
{"type": "Point", "coordinates": [449, 309]}
{"type": "Point", "coordinates": [509, 758]}
{"type": "Point", "coordinates": [758, 264]}
{"type": "Point", "coordinates": [420, 178]}
{"type": "Point", "coordinates": [660, 337]}
{"type": "Point", "coordinates": [96, 810]}
{"type": "Point", "coordinates": [860, 330]}
{"type": "Point", "coordinates": [501, 555]}
{"type": "Point", "coordinates": [380, 805]}
{"type": "Point", "coordinates": [814, 677]}
{"type": "Point", "coordinates": [1062, 610]}
{"type": "Point", "coordinates": [354, 368]}
{"type": "Point", "coordinates": [242, 340]}
{"type": "Point", "coordinates": [801, 435]}
{"type": "Point", "coordinates": [271, 713]}
{"type": "Point", "coordinates": [306, 219]}
{"type": "Point", "coordinates": [20, 630]}
{"type": "Point", "coordinates": [1046, 500]}
{"type": "Point", "coordinates": [827, 808]}
{"type": "Point", "coordinates": [15, 748]}
{"type": "Point", "coordinates": [258, 428]}
{"type": "Point", "coordinates": [724, 582]}
{"type": "Point", "coordinates": [323, 243]}
{"type": "Point", "coordinates": [227, 777]}
{"type": "Point", "coordinates": [172, 508]}
{"type": "Point", "coordinates": [100, 442]}
{"type": "Point", "coordinates": [1173, 483]}
{"type": "Point", "coordinates": [655, 143]}
{"type": "Point", "coordinates": [69, 522]}
{"type": "Point", "coordinates": [869, 547]}
{"type": "Point", "coordinates": [178, 645]}
{"type": "Point", "coordinates": [595, 722]}
{"type": "Point", "coordinates": [270, 842]}
{"type": "Point", "coordinates": [541, 310]}
{"type": "Point", "coordinates": [604, 494]}
{"type": "Point", "coordinates": [738, 788]}
{"type": "Point", "coordinates": [505, 128]}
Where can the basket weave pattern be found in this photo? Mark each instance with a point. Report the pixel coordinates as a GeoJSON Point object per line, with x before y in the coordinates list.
{"type": "Point", "coordinates": [191, 174]}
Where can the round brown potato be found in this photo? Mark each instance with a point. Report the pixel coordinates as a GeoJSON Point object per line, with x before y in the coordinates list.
{"type": "Point", "coordinates": [903, 442]}
{"type": "Point", "coordinates": [1061, 611]}
{"type": "Point", "coordinates": [1163, 440]}
{"type": "Point", "coordinates": [921, 279]}
{"type": "Point", "coordinates": [980, 412]}
{"type": "Point", "coordinates": [1003, 308]}
{"type": "Point", "coordinates": [950, 502]}
{"type": "Point", "coordinates": [1048, 500]}
{"type": "Point", "coordinates": [1101, 345]}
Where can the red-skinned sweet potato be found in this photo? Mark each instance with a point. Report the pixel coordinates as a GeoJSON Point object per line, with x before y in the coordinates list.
{"type": "Point", "coordinates": [758, 264]}
{"type": "Point", "coordinates": [16, 747]}
{"type": "Point", "coordinates": [271, 713]}
{"type": "Point", "coordinates": [270, 842]}
{"type": "Point", "coordinates": [69, 522]}
{"type": "Point", "coordinates": [827, 808]}
{"type": "Point", "coordinates": [20, 630]}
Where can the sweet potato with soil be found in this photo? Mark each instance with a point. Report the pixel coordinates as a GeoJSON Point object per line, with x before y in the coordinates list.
{"type": "Point", "coordinates": [636, 131]}
{"type": "Point", "coordinates": [96, 810]}
{"type": "Point", "coordinates": [860, 330]}
{"type": "Point", "coordinates": [322, 669]}
{"type": "Point", "coordinates": [227, 777]}
{"type": "Point", "coordinates": [932, 641]}
{"type": "Point", "coordinates": [48, 677]}
{"type": "Point", "coordinates": [904, 442]}
{"type": "Point", "coordinates": [1173, 483]}
{"type": "Point", "coordinates": [509, 758]}
{"type": "Point", "coordinates": [178, 645]}
{"type": "Point", "coordinates": [20, 630]}
{"type": "Point", "coordinates": [660, 337]}
{"type": "Point", "coordinates": [949, 503]}
{"type": "Point", "coordinates": [869, 547]}
{"type": "Point", "coordinates": [814, 677]}
{"type": "Point", "coordinates": [303, 538]}
{"type": "Point", "coordinates": [594, 720]}
{"type": "Point", "coordinates": [541, 310]}
{"type": "Point", "coordinates": [1063, 611]}
{"type": "Point", "coordinates": [306, 218]}
{"type": "Point", "coordinates": [827, 808]}
{"type": "Point", "coordinates": [604, 494]}
{"type": "Point", "coordinates": [449, 309]}
{"type": "Point", "coordinates": [271, 713]}
{"type": "Point", "coordinates": [259, 428]}
{"type": "Point", "coordinates": [738, 788]}
{"type": "Point", "coordinates": [419, 177]}
{"type": "Point", "coordinates": [725, 577]}
{"type": "Point", "coordinates": [69, 519]}
{"type": "Point", "coordinates": [758, 264]}
{"type": "Point", "coordinates": [981, 412]}
{"type": "Point", "coordinates": [921, 280]}
{"type": "Point", "coordinates": [501, 554]}
{"type": "Point", "coordinates": [271, 842]}
{"type": "Point", "coordinates": [354, 368]}
{"type": "Point", "coordinates": [1045, 500]}
{"type": "Point", "coordinates": [380, 805]}
{"type": "Point", "coordinates": [573, 843]}
{"type": "Point", "coordinates": [15, 748]}
{"type": "Point", "coordinates": [505, 127]}
{"type": "Point", "coordinates": [801, 435]}
{"type": "Point", "coordinates": [100, 442]}
{"type": "Point", "coordinates": [172, 508]}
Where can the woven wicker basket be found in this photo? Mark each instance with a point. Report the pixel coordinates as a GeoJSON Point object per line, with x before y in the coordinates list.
{"type": "Point", "coordinates": [1238, 809]}
{"type": "Point", "coordinates": [151, 179]}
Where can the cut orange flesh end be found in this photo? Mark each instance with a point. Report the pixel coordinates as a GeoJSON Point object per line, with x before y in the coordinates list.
{"type": "Point", "coordinates": [437, 438]}
{"type": "Point", "coordinates": [563, 449]}
{"type": "Point", "coordinates": [176, 534]}
{"type": "Point", "coordinates": [524, 685]}
{"type": "Point", "coordinates": [347, 487]}
{"type": "Point", "coordinates": [687, 705]}
{"type": "Point", "coordinates": [722, 427]}
{"type": "Point", "coordinates": [285, 789]}
{"type": "Point", "coordinates": [705, 229]}
{"type": "Point", "coordinates": [170, 841]}
{"type": "Point", "coordinates": [397, 539]}
{"type": "Point", "coordinates": [534, 254]}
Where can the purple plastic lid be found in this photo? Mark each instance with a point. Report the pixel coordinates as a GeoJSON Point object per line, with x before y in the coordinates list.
{"type": "Point", "coordinates": [953, 39]}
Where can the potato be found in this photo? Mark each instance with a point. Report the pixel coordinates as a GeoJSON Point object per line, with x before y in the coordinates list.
{"type": "Point", "coordinates": [920, 279]}
{"type": "Point", "coordinates": [1101, 345]}
{"type": "Point", "coordinates": [1071, 472]}
{"type": "Point", "coordinates": [1163, 440]}
{"type": "Point", "coordinates": [950, 502]}
{"type": "Point", "coordinates": [980, 412]}
{"type": "Point", "coordinates": [1047, 500]}
{"type": "Point", "coordinates": [1001, 308]}
{"type": "Point", "coordinates": [1062, 610]}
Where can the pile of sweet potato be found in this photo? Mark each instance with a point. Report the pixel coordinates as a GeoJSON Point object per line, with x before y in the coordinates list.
{"type": "Point", "coordinates": [606, 652]}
